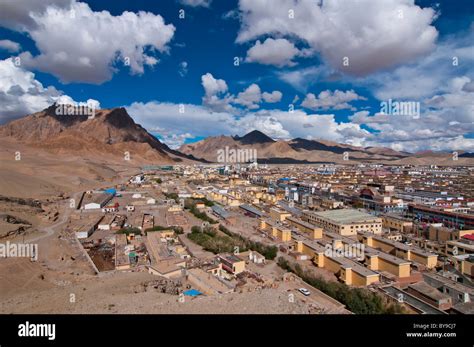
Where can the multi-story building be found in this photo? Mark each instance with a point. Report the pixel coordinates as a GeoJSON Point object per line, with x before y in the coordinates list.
{"type": "Point", "coordinates": [309, 229]}
{"type": "Point", "coordinates": [275, 230]}
{"type": "Point", "coordinates": [398, 223]}
{"type": "Point", "coordinates": [400, 250]}
{"type": "Point", "coordinates": [344, 222]}
{"type": "Point", "coordinates": [231, 263]}
{"type": "Point", "coordinates": [450, 219]}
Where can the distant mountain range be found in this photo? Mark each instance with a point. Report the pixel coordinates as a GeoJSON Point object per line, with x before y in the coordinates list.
{"type": "Point", "coordinates": [112, 132]}
{"type": "Point", "coordinates": [300, 150]}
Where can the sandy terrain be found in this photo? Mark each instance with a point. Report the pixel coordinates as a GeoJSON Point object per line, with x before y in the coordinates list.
{"type": "Point", "coordinates": [62, 269]}
{"type": "Point", "coordinates": [39, 174]}
{"type": "Point", "coordinates": [121, 293]}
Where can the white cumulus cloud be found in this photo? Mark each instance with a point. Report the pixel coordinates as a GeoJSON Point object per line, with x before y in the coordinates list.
{"type": "Point", "coordinates": [10, 46]}
{"type": "Point", "coordinates": [196, 3]}
{"type": "Point", "coordinates": [372, 35]}
{"type": "Point", "coordinates": [77, 44]}
{"type": "Point", "coordinates": [272, 97]}
{"type": "Point", "coordinates": [22, 94]}
{"type": "Point", "coordinates": [337, 100]}
{"type": "Point", "coordinates": [279, 52]}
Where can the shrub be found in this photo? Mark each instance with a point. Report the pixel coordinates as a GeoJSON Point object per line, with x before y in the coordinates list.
{"type": "Point", "coordinates": [269, 252]}
{"type": "Point", "coordinates": [190, 205]}
{"type": "Point", "coordinates": [209, 239]}
{"type": "Point", "coordinates": [128, 231]}
{"type": "Point", "coordinates": [178, 230]}
{"type": "Point", "coordinates": [357, 300]}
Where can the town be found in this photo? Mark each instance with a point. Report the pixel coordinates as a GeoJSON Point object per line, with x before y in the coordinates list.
{"type": "Point", "coordinates": [404, 235]}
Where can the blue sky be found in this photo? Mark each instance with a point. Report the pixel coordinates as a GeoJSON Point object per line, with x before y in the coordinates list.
{"type": "Point", "coordinates": [182, 84]}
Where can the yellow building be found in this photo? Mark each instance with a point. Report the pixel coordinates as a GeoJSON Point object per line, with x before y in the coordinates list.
{"type": "Point", "coordinates": [401, 250]}
{"type": "Point", "coordinates": [331, 204]}
{"type": "Point", "coordinates": [279, 232]}
{"type": "Point", "coordinates": [467, 267]}
{"type": "Point", "coordinates": [269, 198]}
{"type": "Point", "coordinates": [374, 259]}
{"type": "Point", "coordinates": [231, 263]}
{"type": "Point", "coordinates": [459, 248]}
{"type": "Point", "coordinates": [172, 268]}
{"type": "Point", "coordinates": [344, 222]}
{"type": "Point", "coordinates": [231, 199]}
{"type": "Point", "coordinates": [279, 214]}
{"type": "Point", "coordinates": [437, 232]}
{"type": "Point", "coordinates": [200, 205]}
{"type": "Point", "coordinates": [348, 271]}
{"type": "Point", "coordinates": [312, 231]}
{"type": "Point", "coordinates": [379, 261]}
{"type": "Point", "coordinates": [175, 208]}
{"type": "Point", "coordinates": [394, 222]}
{"type": "Point", "coordinates": [197, 195]}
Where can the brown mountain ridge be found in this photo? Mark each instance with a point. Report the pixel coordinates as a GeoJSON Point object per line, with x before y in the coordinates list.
{"type": "Point", "coordinates": [110, 134]}
{"type": "Point", "coordinates": [304, 151]}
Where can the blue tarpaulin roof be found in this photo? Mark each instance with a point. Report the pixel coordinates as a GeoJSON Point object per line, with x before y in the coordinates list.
{"type": "Point", "coordinates": [192, 292]}
{"type": "Point", "coordinates": [111, 191]}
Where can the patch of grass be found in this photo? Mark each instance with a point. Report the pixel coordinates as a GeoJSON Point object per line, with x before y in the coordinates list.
{"type": "Point", "coordinates": [209, 239]}
{"type": "Point", "coordinates": [178, 230]}
{"type": "Point", "coordinates": [269, 252]}
{"type": "Point", "coordinates": [128, 231]}
{"type": "Point", "coordinates": [173, 196]}
{"type": "Point", "coordinates": [190, 205]}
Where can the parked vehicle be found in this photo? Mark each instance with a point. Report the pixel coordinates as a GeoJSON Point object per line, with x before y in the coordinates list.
{"type": "Point", "coordinates": [304, 291]}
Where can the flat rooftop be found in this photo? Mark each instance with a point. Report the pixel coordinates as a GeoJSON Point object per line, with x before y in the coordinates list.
{"type": "Point", "coordinates": [398, 245]}
{"type": "Point", "coordinates": [429, 291]}
{"type": "Point", "coordinates": [449, 283]}
{"type": "Point", "coordinates": [230, 257]}
{"type": "Point", "coordinates": [336, 236]}
{"type": "Point", "coordinates": [309, 243]}
{"type": "Point", "coordinates": [97, 198]}
{"type": "Point", "coordinates": [158, 249]}
{"type": "Point", "coordinates": [460, 244]}
{"type": "Point", "coordinates": [347, 216]}
{"type": "Point", "coordinates": [465, 307]}
{"type": "Point", "coordinates": [397, 217]}
{"type": "Point", "coordinates": [293, 210]}
{"type": "Point", "coordinates": [356, 267]}
{"type": "Point", "coordinates": [301, 222]}
{"type": "Point", "coordinates": [220, 211]}
{"type": "Point", "coordinates": [412, 300]}
{"type": "Point", "coordinates": [251, 209]}
{"type": "Point", "coordinates": [385, 256]}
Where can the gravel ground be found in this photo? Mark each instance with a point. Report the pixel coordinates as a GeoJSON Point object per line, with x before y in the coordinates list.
{"type": "Point", "coordinates": [122, 293]}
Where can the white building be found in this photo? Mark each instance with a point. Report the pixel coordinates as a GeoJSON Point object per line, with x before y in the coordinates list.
{"type": "Point", "coordinates": [95, 201]}
{"type": "Point", "coordinates": [84, 230]}
{"type": "Point", "coordinates": [105, 223]}
{"type": "Point", "coordinates": [137, 179]}
{"type": "Point", "coordinates": [256, 257]}
{"type": "Point", "coordinates": [91, 206]}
